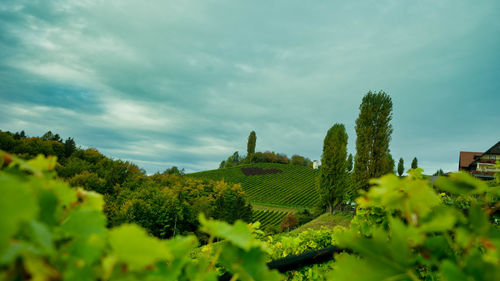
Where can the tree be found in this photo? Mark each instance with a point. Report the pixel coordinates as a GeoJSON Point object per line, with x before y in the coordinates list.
{"type": "Point", "coordinates": [349, 163]}
{"type": "Point", "coordinates": [174, 171]}
{"type": "Point", "coordinates": [20, 135]}
{"type": "Point", "coordinates": [414, 163]}
{"type": "Point", "coordinates": [439, 172]}
{"type": "Point", "coordinates": [333, 171]}
{"type": "Point", "coordinates": [48, 136]}
{"type": "Point", "coordinates": [288, 222]}
{"type": "Point", "coordinates": [401, 167]}
{"type": "Point", "coordinates": [232, 160]}
{"type": "Point", "coordinates": [252, 140]}
{"type": "Point", "coordinates": [373, 130]}
{"type": "Point", "coordinates": [69, 147]}
{"type": "Point", "coordinates": [300, 160]}
{"type": "Point", "coordinates": [388, 165]}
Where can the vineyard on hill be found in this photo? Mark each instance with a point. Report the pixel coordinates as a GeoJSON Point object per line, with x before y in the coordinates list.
{"type": "Point", "coordinates": [268, 218]}
{"type": "Point", "coordinates": [294, 186]}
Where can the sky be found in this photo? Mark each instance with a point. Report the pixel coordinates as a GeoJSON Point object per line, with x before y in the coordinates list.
{"type": "Point", "coordinates": [164, 83]}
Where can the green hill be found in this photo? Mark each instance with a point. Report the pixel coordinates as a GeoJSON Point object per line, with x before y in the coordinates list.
{"type": "Point", "coordinates": [277, 184]}
{"type": "Point", "coordinates": [326, 220]}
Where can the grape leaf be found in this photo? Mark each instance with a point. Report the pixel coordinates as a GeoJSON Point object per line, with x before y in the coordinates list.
{"type": "Point", "coordinates": [133, 246]}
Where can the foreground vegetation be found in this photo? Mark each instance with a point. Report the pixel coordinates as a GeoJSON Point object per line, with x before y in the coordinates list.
{"type": "Point", "coordinates": [404, 229]}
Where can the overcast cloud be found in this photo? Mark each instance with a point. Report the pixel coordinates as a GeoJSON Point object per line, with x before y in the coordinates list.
{"type": "Point", "coordinates": [164, 83]}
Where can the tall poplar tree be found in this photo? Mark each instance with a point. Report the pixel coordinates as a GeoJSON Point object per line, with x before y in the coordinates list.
{"type": "Point", "coordinates": [401, 166]}
{"type": "Point", "coordinates": [252, 140]}
{"type": "Point", "coordinates": [349, 163]}
{"type": "Point", "coordinates": [414, 163]}
{"type": "Point", "coordinates": [373, 130]}
{"type": "Point", "coordinates": [333, 172]}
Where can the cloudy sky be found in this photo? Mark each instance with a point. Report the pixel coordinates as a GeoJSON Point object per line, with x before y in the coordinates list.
{"type": "Point", "coordinates": [164, 83]}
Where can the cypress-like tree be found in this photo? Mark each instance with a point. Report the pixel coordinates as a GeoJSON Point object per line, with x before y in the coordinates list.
{"type": "Point", "coordinates": [414, 163]}
{"type": "Point", "coordinates": [333, 172]}
{"type": "Point", "coordinates": [349, 163]}
{"type": "Point", "coordinates": [69, 147]}
{"type": "Point", "coordinates": [373, 130]}
{"type": "Point", "coordinates": [252, 140]}
{"type": "Point", "coordinates": [401, 166]}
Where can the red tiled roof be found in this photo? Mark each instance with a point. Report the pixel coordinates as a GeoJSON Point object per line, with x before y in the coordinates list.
{"type": "Point", "coordinates": [466, 158]}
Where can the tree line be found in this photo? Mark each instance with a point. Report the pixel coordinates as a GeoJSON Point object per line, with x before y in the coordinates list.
{"type": "Point", "coordinates": [262, 157]}
{"type": "Point", "coordinates": [165, 203]}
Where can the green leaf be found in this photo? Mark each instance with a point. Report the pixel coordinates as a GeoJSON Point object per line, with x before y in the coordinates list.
{"type": "Point", "coordinates": [248, 265]}
{"type": "Point", "coordinates": [352, 268]}
{"type": "Point", "coordinates": [451, 272]}
{"type": "Point", "coordinates": [461, 183]}
{"type": "Point", "coordinates": [65, 194]}
{"type": "Point", "coordinates": [82, 223]}
{"type": "Point", "coordinates": [238, 234]}
{"type": "Point", "coordinates": [48, 203]}
{"type": "Point", "coordinates": [42, 163]}
{"type": "Point", "coordinates": [443, 219]}
{"type": "Point", "coordinates": [133, 246]}
{"type": "Point", "coordinates": [17, 204]}
{"type": "Point", "coordinates": [90, 200]}
{"type": "Point", "coordinates": [439, 248]}
{"type": "Point", "coordinates": [478, 219]}
{"type": "Point", "coordinates": [41, 235]}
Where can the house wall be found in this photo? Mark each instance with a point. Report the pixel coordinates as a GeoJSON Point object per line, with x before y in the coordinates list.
{"type": "Point", "coordinates": [487, 167]}
{"type": "Point", "coordinates": [491, 157]}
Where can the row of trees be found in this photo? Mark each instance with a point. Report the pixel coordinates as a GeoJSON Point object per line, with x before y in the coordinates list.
{"type": "Point", "coordinates": [262, 157]}
{"type": "Point", "coordinates": [401, 165]}
{"type": "Point", "coordinates": [339, 182]}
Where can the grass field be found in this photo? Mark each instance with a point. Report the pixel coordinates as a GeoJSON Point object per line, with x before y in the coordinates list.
{"type": "Point", "coordinates": [326, 220]}
{"type": "Point", "coordinates": [294, 187]}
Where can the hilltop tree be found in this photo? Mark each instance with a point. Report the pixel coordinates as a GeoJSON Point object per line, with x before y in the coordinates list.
{"type": "Point", "coordinates": [69, 147]}
{"type": "Point", "coordinates": [252, 140]}
{"type": "Point", "coordinates": [19, 135]}
{"type": "Point", "coordinates": [333, 172]}
{"type": "Point", "coordinates": [401, 167]}
{"type": "Point", "coordinates": [48, 136]}
{"type": "Point", "coordinates": [349, 163]}
{"type": "Point", "coordinates": [414, 163]}
{"type": "Point", "coordinates": [373, 130]}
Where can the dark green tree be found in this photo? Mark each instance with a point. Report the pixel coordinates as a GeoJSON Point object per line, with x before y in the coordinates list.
{"type": "Point", "coordinates": [388, 167]}
{"type": "Point", "coordinates": [414, 163]}
{"type": "Point", "coordinates": [333, 171]}
{"type": "Point", "coordinates": [69, 147]}
{"type": "Point", "coordinates": [174, 171]}
{"type": "Point", "coordinates": [252, 140]}
{"type": "Point", "coordinates": [349, 163]}
{"type": "Point", "coordinates": [373, 130]}
{"type": "Point", "coordinates": [401, 167]}
{"type": "Point", "coordinates": [439, 172]}
{"type": "Point", "coordinates": [19, 135]}
{"type": "Point", "coordinates": [48, 136]}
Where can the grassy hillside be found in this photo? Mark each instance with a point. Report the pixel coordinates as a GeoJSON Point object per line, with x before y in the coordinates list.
{"type": "Point", "coordinates": [326, 220]}
{"type": "Point", "coordinates": [293, 187]}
